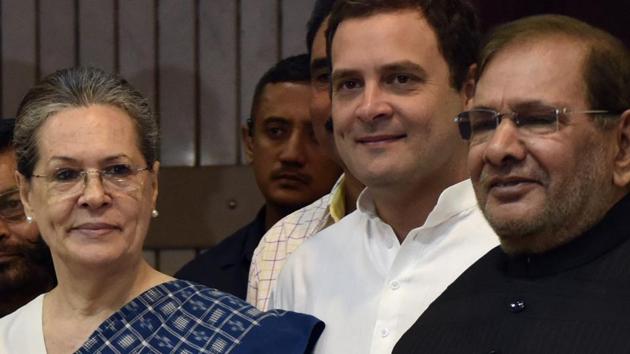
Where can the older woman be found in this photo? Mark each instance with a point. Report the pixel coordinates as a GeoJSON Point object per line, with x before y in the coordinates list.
{"type": "Point", "coordinates": [87, 171]}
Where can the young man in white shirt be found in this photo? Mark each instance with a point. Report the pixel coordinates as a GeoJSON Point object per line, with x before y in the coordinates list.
{"type": "Point", "coordinates": [291, 231]}
{"type": "Point", "coordinates": [400, 73]}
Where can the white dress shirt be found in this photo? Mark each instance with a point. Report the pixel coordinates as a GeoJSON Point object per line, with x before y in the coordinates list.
{"type": "Point", "coordinates": [22, 331]}
{"type": "Point", "coordinates": [366, 286]}
{"type": "Point", "coordinates": [285, 237]}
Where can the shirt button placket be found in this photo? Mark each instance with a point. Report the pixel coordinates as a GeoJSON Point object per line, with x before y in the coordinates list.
{"type": "Point", "coordinates": [384, 332]}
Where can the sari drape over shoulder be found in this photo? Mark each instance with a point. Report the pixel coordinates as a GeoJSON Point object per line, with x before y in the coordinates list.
{"type": "Point", "coordinates": [182, 317]}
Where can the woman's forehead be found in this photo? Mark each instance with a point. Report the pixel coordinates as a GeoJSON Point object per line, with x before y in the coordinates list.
{"type": "Point", "coordinates": [95, 131]}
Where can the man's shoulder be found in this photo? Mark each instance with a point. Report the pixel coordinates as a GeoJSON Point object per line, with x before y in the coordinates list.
{"type": "Point", "coordinates": [231, 243]}
{"type": "Point", "coordinates": [301, 222]}
{"type": "Point", "coordinates": [335, 238]}
{"type": "Point", "coordinates": [228, 251]}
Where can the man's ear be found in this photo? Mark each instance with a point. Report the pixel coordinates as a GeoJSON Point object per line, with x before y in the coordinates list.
{"type": "Point", "coordinates": [248, 142]}
{"type": "Point", "coordinates": [621, 174]}
{"type": "Point", "coordinates": [468, 88]}
{"type": "Point", "coordinates": [24, 186]}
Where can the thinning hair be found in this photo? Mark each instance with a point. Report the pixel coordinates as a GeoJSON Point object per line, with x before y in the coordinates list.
{"type": "Point", "coordinates": [80, 87]}
{"type": "Point", "coordinates": [454, 22]}
{"type": "Point", "coordinates": [606, 65]}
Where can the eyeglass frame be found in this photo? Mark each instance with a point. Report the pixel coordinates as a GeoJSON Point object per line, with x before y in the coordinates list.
{"type": "Point", "coordinates": [467, 132]}
{"type": "Point", "coordinates": [100, 172]}
{"type": "Point", "coordinates": [19, 217]}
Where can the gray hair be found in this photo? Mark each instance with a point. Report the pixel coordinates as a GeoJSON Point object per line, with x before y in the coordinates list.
{"type": "Point", "coordinates": [80, 87]}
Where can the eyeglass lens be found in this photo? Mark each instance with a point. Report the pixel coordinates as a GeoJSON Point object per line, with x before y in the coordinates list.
{"type": "Point", "coordinates": [480, 125]}
{"type": "Point", "coordinates": [69, 181]}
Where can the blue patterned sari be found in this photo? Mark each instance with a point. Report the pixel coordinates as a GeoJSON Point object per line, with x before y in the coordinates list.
{"type": "Point", "coordinates": [185, 318]}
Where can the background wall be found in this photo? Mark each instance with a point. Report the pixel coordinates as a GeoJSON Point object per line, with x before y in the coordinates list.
{"type": "Point", "coordinates": [198, 62]}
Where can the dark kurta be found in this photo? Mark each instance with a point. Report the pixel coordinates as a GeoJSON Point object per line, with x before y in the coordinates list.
{"type": "Point", "coordinates": [226, 265]}
{"type": "Point", "coordinates": [574, 299]}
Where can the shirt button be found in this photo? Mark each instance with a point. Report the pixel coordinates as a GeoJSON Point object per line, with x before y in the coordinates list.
{"type": "Point", "coordinates": [517, 306]}
{"type": "Point", "coordinates": [384, 332]}
{"type": "Point", "coordinates": [394, 285]}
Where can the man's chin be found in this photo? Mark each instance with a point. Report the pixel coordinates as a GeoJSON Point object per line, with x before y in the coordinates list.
{"type": "Point", "coordinates": [289, 186]}
{"type": "Point", "coordinates": [292, 201]}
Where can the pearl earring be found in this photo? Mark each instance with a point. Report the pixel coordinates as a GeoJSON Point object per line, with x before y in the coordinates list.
{"type": "Point", "coordinates": [29, 219]}
{"type": "Point", "coordinates": [155, 213]}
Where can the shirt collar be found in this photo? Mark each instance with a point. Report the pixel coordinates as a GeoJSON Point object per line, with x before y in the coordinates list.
{"type": "Point", "coordinates": [365, 204]}
{"type": "Point", "coordinates": [606, 235]}
{"type": "Point", "coordinates": [452, 201]}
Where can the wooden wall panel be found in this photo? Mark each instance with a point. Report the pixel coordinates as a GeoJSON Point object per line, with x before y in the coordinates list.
{"type": "Point", "coordinates": [259, 45]}
{"type": "Point", "coordinates": [177, 38]}
{"type": "Point", "coordinates": [218, 49]}
{"type": "Point", "coordinates": [201, 206]}
{"type": "Point", "coordinates": [57, 35]}
{"type": "Point", "coordinates": [19, 51]}
{"type": "Point", "coordinates": [295, 14]}
{"type": "Point", "coordinates": [97, 31]}
{"type": "Point", "coordinates": [137, 39]}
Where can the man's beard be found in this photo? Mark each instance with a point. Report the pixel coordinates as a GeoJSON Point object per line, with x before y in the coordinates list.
{"type": "Point", "coordinates": [569, 210]}
{"type": "Point", "coordinates": [31, 271]}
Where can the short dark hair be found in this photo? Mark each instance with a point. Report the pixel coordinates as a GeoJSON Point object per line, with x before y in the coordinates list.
{"type": "Point", "coordinates": [321, 10]}
{"type": "Point", "coordinates": [291, 69]}
{"type": "Point", "coordinates": [606, 68]}
{"type": "Point", "coordinates": [7, 126]}
{"type": "Point", "coordinates": [80, 87]}
{"type": "Point", "coordinates": [455, 23]}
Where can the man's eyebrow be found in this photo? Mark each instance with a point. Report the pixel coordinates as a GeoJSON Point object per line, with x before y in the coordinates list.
{"type": "Point", "coordinates": [275, 119]}
{"type": "Point", "coordinates": [519, 106]}
{"type": "Point", "coordinates": [528, 105]}
{"type": "Point", "coordinates": [319, 63]}
{"type": "Point", "coordinates": [489, 108]}
{"type": "Point", "coordinates": [341, 74]}
{"type": "Point", "coordinates": [404, 65]}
